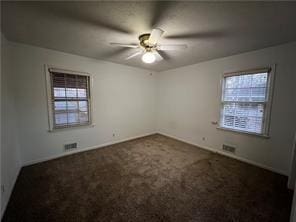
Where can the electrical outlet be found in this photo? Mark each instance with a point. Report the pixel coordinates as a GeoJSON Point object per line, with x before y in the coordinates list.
{"type": "Point", "coordinates": [113, 134]}
{"type": "Point", "coordinates": [203, 138]}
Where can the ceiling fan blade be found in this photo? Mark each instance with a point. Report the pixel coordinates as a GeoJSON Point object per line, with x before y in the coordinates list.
{"type": "Point", "coordinates": [114, 52]}
{"type": "Point", "coordinates": [155, 35]}
{"type": "Point", "coordinates": [158, 56]}
{"type": "Point", "coordinates": [124, 45]}
{"type": "Point", "coordinates": [159, 11]}
{"type": "Point", "coordinates": [171, 47]}
{"type": "Point", "coordinates": [198, 35]}
{"type": "Point", "coordinates": [133, 55]}
{"type": "Point", "coordinates": [66, 11]}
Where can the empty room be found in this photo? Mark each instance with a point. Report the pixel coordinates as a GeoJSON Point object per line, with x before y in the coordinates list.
{"type": "Point", "coordinates": [155, 111]}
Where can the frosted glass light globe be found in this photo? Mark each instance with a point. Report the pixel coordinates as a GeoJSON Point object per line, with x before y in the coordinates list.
{"type": "Point", "coordinates": [148, 57]}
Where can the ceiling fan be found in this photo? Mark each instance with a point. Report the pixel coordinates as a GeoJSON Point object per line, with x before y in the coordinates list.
{"type": "Point", "coordinates": [149, 47]}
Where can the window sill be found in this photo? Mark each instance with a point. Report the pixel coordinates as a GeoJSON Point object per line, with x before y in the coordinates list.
{"type": "Point", "coordinates": [244, 132]}
{"type": "Point", "coordinates": [71, 128]}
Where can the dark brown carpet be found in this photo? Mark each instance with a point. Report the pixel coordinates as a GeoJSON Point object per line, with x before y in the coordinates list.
{"type": "Point", "coordinates": [154, 178]}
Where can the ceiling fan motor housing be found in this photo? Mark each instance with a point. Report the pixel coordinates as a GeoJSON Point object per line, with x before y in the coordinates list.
{"type": "Point", "coordinates": [144, 41]}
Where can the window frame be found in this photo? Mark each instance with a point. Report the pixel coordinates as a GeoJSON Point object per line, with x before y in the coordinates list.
{"type": "Point", "coordinates": [267, 104]}
{"type": "Point", "coordinates": [50, 98]}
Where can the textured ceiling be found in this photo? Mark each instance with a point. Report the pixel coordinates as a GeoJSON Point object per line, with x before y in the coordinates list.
{"type": "Point", "coordinates": [210, 29]}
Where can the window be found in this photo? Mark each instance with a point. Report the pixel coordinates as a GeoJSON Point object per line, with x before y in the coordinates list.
{"type": "Point", "coordinates": [246, 101]}
{"type": "Point", "coordinates": [69, 99]}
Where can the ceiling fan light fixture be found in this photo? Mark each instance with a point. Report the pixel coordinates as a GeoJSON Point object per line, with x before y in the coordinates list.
{"type": "Point", "coordinates": [148, 57]}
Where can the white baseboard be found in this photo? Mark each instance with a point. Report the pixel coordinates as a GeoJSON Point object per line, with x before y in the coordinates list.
{"type": "Point", "coordinates": [227, 154]}
{"type": "Point", "coordinates": [9, 190]}
{"type": "Point", "coordinates": [84, 149]}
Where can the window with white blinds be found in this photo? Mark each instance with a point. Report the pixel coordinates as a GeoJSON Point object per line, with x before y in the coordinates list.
{"type": "Point", "coordinates": [245, 104]}
{"type": "Point", "coordinates": [70, 99]}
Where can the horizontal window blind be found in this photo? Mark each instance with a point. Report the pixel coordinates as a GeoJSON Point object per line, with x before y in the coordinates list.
{"type": "Point", "coordinates": [244, 101]}
{"type": "Point", "coordinates": [70, 99]}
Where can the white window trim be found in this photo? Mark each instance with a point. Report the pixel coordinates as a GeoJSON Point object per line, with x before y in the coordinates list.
{"type": "Point", "coordinates": [49, 98]}
{"type": "Point", "coordinates": [268, 104]}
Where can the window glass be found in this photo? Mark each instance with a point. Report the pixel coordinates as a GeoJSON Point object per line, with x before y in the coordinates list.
{"type": "Point", "coordinates": [70, 99]}
{"type": "Point", "coordinates": [244, 102]}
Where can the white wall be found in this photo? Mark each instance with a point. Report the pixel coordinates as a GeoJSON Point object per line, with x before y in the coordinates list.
{"type": "Point", "coordinates": [188, 99]}
{"type": "Point", "coordinates": [293, 208]}
{"type": "Point", "coordinates": [10, 153]}
{"type": "Point", "coordinates": [1, 46]}
{"type": "Point", "coordinates": [123, 100]}
{"type": "Point", "coordinates": [1, 55]}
